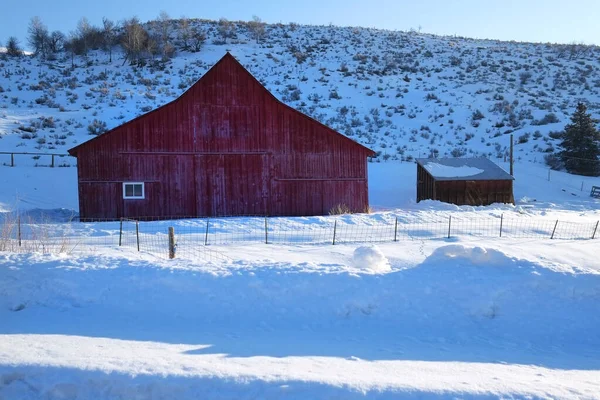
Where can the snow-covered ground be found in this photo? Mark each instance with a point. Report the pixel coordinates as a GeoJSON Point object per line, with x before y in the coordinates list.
{"type": "Point", "coordinates": [466, 317]}
{"type": "Point", "coordinates": [445, 320]}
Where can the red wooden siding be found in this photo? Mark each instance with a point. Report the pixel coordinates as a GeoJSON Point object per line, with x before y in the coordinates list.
{"type": "Point", "coordinates": [225, 147]}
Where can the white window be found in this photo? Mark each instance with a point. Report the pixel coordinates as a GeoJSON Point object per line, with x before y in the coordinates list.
{"type": "Point", "coordinates": [133, 190]}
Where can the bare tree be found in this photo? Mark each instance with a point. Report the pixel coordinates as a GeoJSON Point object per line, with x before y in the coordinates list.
{"type": "Point", "coordinates": [134, 41]}
{"type": "Point", "coordinates": [56, 42]}
{"type": "Point", "coordinates": [73, 46]}
{"type": "Point", "coordinates": [257, 28]}
{"type": "Point", "coordinates": [13, 48]}
{"type": "Point", "coordinates": [225, 29]}
{"type": "Point", "coordinates": [37, 36]}
{"type": "Point", "coordinates": [198, 38]}
{"type": "Point", "coordinates": [84, 31]}
{"type": "Point", "coordinates": [185, 33]}
{"type": "Point", "coordinates": [164, 36]}
{"type": "Point", "coordinates": [109, 36]}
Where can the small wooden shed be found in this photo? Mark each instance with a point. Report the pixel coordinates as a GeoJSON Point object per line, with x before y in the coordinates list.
{"type": "Point", "coordinates": [463, 181]}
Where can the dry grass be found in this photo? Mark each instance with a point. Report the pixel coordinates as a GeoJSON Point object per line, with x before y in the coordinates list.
{"type": "Point", "coordinates": [28, 236]}
{"type": "Point", "coordinates": [342, 209]}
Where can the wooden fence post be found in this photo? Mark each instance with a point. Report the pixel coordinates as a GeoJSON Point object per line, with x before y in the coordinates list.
{"type": "Point", "coordinates": [501, 221]}
{"type": "Point", "coordinates": [137, 233]}
{"type": "Point", "coordinates": [171, 242]}
{"type": "Point", "coordinates": [121, 232]}
{"type": "Point", "coordinates": [12, 159]}
{"type": "Point", "coordinates": [266, 231]}
{"type": "Point", "coordinates": [554, 230]}
{"type": "Point", "coordinates": [595, 229]}
{"type": "Point", "coordinates": [396, 230]}
{"type": "Point", "coordinates": [19, 229]}
{"type": "Point", "coordinates": [334, 230]}
{"type": "Point", "coordinates": [206, 233]}
{"type": "Point", "coordinates": [52, 163]}
{"type": "Point", "coordinates": [449, 225]}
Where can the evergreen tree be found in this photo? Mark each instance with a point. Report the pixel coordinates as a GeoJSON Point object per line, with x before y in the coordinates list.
{"type": "Point", "coordinates": [580, 144]}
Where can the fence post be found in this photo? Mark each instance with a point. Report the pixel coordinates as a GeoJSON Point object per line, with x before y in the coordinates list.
{"type": "Point", "coordinates": [137, 233]}
{"type": "Point", "coordinates": [554, 230]}
{"type": "Point", "coordinates": [206, 233]}
{"type": "Point", "coordinates": [52, 163]}
{"type": "Point", "coordinates": [171, 242]}
{"type": "Point", "coordinates": [501, 220]}
{"type": "Point", "coordinates": [19, 229]}
{"type": "Point", "coordinates": [549, 174]}
{"type": "Point", "coordinates": [396, 230]}
{"type": "Point", "coordinates": [449, 225]}
{"type": "Point", "coordinates": [595, 229]}
{"type": "Point", "coordinates": [121, 232]}
{"type": "Point", "coordinates": [334, 230]}
{"type": "Point", "coordinates": [266, 231]}
{"type": "Point", "coordinates": [12, 159]}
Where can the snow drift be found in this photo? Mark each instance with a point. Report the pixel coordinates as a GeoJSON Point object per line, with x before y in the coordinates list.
{"type": "Point", "coordinates": [105, 327]}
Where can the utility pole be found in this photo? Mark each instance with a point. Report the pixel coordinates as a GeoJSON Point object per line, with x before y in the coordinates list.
{"type": "Point", "coordinates": [511, 156]}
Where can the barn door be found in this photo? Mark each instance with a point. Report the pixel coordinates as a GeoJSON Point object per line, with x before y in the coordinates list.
{"type": "Point", "coordinates": [231, 184]}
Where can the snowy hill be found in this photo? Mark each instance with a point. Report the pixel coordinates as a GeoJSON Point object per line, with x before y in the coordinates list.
{"type": "Point", "coordinates": [403, 94]}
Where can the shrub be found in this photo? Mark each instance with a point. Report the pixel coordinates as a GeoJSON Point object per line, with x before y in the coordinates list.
{"type": "Point", "coordinates": [524, 138]}
{"type": "Point", "coordinates": [97, 127]}
{"type": "Point", "coordinates": [549, 118]}
{"type": "Point", "coordinates": [477, 115]}
{"type": "Point", "coordinates": [553, 161]}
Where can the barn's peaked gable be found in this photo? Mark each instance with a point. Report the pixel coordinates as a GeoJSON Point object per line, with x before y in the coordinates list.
{"type": "Point", "coordinates": [227, 61]}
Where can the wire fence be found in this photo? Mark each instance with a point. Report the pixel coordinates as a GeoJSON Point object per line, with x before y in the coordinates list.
{"type": "Point", "coordinates": [192, 238]}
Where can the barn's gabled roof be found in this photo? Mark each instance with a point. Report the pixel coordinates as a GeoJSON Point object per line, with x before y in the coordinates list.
{"type": "Point", "coordinates": [463, 169]}
{"type": "Point", "coordinates": [73, 151]}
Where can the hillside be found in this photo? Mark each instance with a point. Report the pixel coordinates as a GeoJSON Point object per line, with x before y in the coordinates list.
{"type": "Point", "coordinates": [403, 94]}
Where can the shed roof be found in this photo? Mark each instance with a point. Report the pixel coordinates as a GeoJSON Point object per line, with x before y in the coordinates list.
{"type": "Point", "coordinates": [463, 169]}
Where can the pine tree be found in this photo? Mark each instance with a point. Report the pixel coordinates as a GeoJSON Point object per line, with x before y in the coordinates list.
{"type": "Point", "coordinates": [580, 144]}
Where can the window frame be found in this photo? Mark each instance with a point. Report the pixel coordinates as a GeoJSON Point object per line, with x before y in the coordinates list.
{"type": "Point", "coordinates": [125, 197]}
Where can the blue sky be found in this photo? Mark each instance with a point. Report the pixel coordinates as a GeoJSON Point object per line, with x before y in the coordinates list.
{"type": "Point", "coordinates": [526, 20]}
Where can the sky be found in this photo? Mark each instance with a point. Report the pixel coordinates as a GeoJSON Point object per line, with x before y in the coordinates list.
{"type": "Point", "coordinates": [555, 21]}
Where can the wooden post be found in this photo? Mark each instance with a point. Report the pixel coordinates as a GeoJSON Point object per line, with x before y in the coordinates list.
{"type": "Point", "coordinates": [449, 225]}
{"type": "Point", "coordinates": [19, 229]}
{"type": "Point", "coordinates": [137, 233]}
{"type": "Point", "coordinates": [12, 159]}
{"type": "Point", "coordinates": [334, 230]}
{"type": "Point", "coordinates": [595, 229]}
{"type": "Point", "coordinates": [396, 230]}
{"type": "Point", "coordinates": [52, 163]}
{"type": "Point", "coordinates": [549, 169]}
{"type": "Point", "coordinates": [171, 242]}
{"type": "Point", "coordinates": [511, 156]}
{"type": "Point", "coordinates": [121, 233]}
{"type": "Point", "coordinates": [501, 220]}
{"type": "Point", "coordinates": [206, 233]}
{"type": "Point", "coordinates": [581, 186]}
{"type": "Point", "coordinates": [266, 231]}
{"type": "Point", "coordinates": [554, 230]}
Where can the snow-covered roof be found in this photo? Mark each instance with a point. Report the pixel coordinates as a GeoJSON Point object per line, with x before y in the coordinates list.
{"type": "Point", "coordinates": [463, 169]}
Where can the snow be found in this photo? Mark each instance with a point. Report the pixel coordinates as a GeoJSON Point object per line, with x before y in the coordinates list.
{"type": "Point", "coordinates": [448, 171]}
{"type": "Point", "coordinates": [484, 319]}
{"type": "Point", "coordinates": [370, 258]}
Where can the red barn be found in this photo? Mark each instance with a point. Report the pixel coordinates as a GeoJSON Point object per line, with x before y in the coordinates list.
{"type": "Point", "coordinates": [226, 146]}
